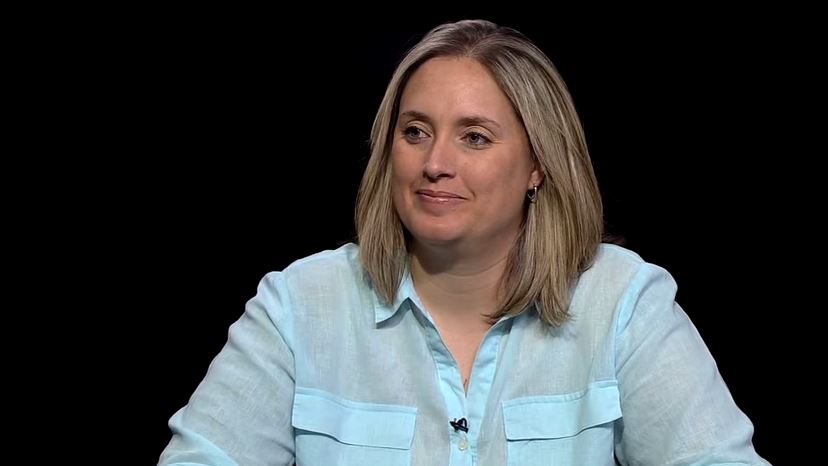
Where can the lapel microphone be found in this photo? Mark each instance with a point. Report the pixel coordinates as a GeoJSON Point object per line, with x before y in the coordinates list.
{"type": "Point", "coordinates": [462, 424]}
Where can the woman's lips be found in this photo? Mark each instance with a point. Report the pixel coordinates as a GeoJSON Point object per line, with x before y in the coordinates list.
{"type": "Point", "coordinates": [438, 199]}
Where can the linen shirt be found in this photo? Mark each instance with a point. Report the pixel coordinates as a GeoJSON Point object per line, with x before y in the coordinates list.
{"type": "Point", "coordinates": [320, 372]}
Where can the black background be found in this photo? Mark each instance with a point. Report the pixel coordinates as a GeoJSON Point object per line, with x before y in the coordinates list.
{"type": "Point", "coordinates": [245, 137]}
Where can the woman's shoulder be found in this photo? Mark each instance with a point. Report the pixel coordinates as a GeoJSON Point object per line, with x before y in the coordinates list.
{"type": "Point", "coordinates": [325, 266]}
{"type": "Point", "coordinates": [614, 282]}
{"type": "Point", "coordinates": [325, 277]}
{"type": "Point", "coordinates": [346, 255]}
{"type": "Point", "coordinates": [615, 269]}
{"type": "Point", "coordinates": [613, 255]}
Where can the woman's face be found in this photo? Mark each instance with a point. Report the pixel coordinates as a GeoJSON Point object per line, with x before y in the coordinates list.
{"type": "Point", "coordinates": [460, 158]}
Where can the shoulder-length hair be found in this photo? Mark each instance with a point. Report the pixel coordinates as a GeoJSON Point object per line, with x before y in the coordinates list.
{"type": "Point", "coordinates": [562, 228]}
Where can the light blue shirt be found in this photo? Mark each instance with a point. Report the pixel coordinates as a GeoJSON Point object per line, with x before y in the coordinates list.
{"type": "Point", "coordinates": [319, 371]}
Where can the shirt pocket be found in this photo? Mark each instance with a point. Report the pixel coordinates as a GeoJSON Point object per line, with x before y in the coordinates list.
{"type": "Point", "coordinates": [332, 430]}
{"type": "Point", "coordinates": [572, 429]}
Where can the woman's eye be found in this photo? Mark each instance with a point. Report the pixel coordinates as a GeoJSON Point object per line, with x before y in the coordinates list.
{"type": "Point", "coordinates": [413, 133]}
{"type": "Point", "coordinates": [477, 139]}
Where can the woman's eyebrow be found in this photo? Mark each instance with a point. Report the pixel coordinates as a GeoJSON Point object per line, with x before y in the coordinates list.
{"type": "Point", "coordinates": [469, 120]}
{"type": "Point", "coordinates": [478, 120]}
{"type": "Point", "coordinates": [415, 115]}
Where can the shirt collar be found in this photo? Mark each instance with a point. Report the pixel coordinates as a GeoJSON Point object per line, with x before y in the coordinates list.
{"type": "Point", "coordinates": [405, 296]}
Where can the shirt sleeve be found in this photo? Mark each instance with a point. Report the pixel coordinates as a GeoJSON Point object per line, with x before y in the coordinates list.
{"type": "Point", "coordinates": [240, 414]}
{"type": "Point", "coordinates": [676, 409]}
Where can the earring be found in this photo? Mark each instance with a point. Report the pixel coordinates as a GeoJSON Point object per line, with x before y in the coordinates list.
{"type": "Point", "coordinates": [533, 195]}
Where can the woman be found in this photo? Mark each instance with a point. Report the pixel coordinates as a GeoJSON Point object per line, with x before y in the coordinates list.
{"type": "Point", "coordinates": [480, 320]}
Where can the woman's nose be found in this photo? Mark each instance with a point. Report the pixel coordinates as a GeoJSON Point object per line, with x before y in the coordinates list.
{"type": "Point", "coordinates": [439, 162]}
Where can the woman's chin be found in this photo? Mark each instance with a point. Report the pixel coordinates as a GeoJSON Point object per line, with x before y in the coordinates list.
{"type": "Point", "coordinates": [437, 238]}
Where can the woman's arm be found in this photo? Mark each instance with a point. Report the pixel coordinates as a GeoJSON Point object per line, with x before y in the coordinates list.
{"type": "Point", "coordinates": [676, 408]}
{"type": "Point", "coordinates": [240, 414]}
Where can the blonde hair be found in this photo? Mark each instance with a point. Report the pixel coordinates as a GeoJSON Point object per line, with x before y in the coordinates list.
{"type": "Point", "coordinates": [561, 230]}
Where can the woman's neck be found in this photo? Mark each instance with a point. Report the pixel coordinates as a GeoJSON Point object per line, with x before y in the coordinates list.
{"type": "Point", "coordinates": [455, 286]}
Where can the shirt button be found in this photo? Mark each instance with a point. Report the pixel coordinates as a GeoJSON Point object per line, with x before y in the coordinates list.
{"type": "Point", "coordinates": [463, 444]}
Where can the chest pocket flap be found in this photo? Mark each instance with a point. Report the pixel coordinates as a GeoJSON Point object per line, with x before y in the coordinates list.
{"type": "Point", "coordinates": [560, 416]}
{"type": "Point", "coordinates": [353, 423]}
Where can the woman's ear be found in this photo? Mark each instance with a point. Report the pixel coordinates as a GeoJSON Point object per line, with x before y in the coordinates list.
{"type": "Point", "coordinates": [535, 178]}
